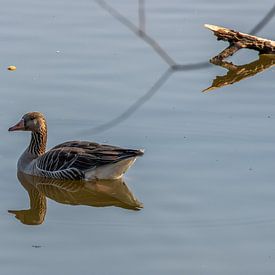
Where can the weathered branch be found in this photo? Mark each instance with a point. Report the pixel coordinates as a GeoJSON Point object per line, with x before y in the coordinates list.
{"type": "Point", "coordinates": [238, 40]}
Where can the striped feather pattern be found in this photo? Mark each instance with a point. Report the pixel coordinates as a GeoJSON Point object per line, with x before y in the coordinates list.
{"type": "Point", "coordinates": [73, 160]}
{"type": "Point", "coordinates": [70, 160]}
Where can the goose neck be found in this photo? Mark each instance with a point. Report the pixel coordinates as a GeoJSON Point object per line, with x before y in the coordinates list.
{"type": "Point", "coordinates": [38, 142]}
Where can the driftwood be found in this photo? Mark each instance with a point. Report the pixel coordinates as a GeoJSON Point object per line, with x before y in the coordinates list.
{"type": "Point", "coordinates": [238, 73]}
{"type": "Point", "coordinates": [238, 40]}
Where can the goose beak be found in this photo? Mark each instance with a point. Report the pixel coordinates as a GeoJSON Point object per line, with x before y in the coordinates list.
{"type": "Point", "coordinates": [17, 127]}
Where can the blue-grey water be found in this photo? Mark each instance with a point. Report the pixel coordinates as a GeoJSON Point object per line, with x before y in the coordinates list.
{"type": "Point", "coordinates": [207, 179]}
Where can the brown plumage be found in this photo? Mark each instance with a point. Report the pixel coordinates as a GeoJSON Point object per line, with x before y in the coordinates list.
{"type": "Point", "coordinates": [73, 159]}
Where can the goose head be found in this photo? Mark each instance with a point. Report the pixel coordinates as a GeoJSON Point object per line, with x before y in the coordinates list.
{"type": "Point", "coordinates": [34, 122]}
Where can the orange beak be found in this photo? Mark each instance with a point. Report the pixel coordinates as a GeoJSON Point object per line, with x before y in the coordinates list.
{"type": "Point", "coordinates": [19, 126]}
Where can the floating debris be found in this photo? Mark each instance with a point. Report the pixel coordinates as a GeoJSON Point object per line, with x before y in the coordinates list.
{"type": "Point", "coordinates": [11, 68]}
{"type": "Point", "coordinates": [239, 40]}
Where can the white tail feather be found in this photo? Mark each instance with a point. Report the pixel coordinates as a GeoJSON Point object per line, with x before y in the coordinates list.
{"type": "Point", "coordinates": [110, 171]}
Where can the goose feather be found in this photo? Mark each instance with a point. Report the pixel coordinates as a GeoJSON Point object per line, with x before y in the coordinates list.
{"type": "Point", "coordinates": [72, 160]}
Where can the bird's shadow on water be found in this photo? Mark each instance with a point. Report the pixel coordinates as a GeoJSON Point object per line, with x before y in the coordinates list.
{"type": "Point", "coordinates": [173, 66]}
{"type": "Point", "coordinates": [97, 193]}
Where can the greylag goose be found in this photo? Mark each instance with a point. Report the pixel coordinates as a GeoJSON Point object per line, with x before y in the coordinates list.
{"type": "Point", "coordinates": [73, 160]}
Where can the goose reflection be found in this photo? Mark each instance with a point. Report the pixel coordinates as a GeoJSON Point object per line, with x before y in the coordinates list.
{"type": "Point", "coordinates": [97, 193]}
{"type": "Point", "coordinates": [237, 73]}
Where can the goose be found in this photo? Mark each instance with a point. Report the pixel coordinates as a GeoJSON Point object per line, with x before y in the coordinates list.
{"type": "Point", "coordinates": [72, 160]}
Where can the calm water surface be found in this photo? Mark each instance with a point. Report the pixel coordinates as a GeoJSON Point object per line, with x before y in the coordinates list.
{"type": "Point", "coordinates": [207, 180]}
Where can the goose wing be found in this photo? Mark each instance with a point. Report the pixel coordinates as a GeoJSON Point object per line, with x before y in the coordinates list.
{"type": "Point", "coordinates": [71, 159]}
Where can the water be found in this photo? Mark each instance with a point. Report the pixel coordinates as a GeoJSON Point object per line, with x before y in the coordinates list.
{"type": "Point", "coordinates": [207, 178]}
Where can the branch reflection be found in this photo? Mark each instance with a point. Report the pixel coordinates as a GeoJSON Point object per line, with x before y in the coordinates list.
{"type": "Point", "coordinates": [140, 32]}
{"type": "Point", "coordinates": [264, 21]}
{"type": "Point", "coordinates": [238, 73]}
{"type": "Point", "coordinates": [98, 193]}
{"type": "Point", "coordinates": [128, 112]}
